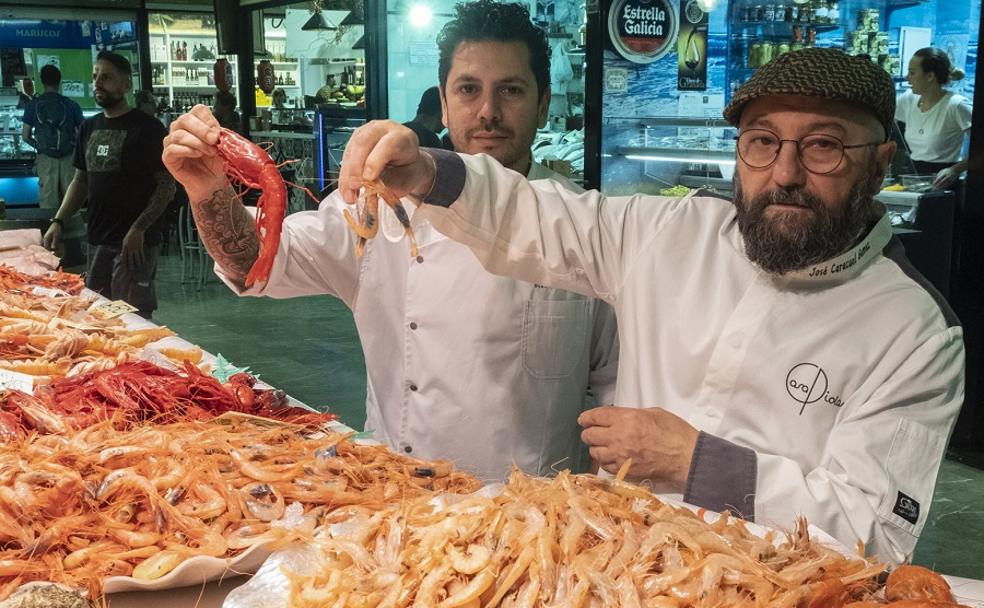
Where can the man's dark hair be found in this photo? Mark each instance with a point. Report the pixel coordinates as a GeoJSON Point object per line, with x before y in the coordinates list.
{"type": "Point", "coordinates": [50, 76]}
{"type": "Point", "coordinates": [118, 61]}
{"type": "Point", "coordinates": [490, 21]}
{"type": "Point", "coordinates": [430, 103]}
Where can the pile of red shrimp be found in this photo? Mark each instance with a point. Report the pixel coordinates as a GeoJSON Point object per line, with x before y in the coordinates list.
{"type": "Point", "coordinates": [139, 391]}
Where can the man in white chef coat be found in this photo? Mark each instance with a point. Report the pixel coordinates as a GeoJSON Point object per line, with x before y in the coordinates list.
{"type": "Point", "coordinates": [462, 364]}
{"type": "Point", "coordinates": [779, 355]}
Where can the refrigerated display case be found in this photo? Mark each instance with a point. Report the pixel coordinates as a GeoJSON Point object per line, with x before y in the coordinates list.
{"type": "Point", "coordinates": [12, 145]}
{"type": "Point", "coordinates": [677, 153]}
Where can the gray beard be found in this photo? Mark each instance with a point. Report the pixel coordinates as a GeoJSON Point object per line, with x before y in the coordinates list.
{"type": "Point", "coordinates": [785, 244]}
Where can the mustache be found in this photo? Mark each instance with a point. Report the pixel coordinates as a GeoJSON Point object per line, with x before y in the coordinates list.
{"type": "Point", "coordinates": [793, 198]}
{"type": "Point", "coordinates": [488, 127]}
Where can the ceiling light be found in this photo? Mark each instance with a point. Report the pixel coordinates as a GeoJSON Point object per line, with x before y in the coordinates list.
{"type": "Point", "coordinates": [420, 15]}
{"type": "Point", "coordinates": [695, 160]}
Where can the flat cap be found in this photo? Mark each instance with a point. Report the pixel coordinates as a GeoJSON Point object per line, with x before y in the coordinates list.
{"type": "Point", "coordinates": [821, 72]}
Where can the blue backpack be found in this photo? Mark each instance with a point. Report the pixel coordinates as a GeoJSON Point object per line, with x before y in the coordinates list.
{"type": "Point", "coordinates": [54, 129]}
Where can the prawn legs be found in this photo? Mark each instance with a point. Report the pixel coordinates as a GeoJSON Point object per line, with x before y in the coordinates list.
{"type": "Point", "coordinates": [367, 225]}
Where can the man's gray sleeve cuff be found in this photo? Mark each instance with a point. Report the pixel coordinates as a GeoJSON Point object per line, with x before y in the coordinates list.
{"type": "Point", "coordinates": [722, 477]}
{"type": "Point", "coordinates": [449, 178]}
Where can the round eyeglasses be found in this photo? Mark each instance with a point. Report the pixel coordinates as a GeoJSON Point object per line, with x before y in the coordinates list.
{"type": "Point", "coordinates": [819, 153]}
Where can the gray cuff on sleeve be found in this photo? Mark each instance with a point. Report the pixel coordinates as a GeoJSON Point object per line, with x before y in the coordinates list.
{"type": "Point", "coordinates": [722, 477]}
{"type": "Point", "coordinates": [449, 178]}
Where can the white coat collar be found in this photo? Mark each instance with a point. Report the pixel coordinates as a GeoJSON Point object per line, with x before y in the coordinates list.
{"type": "Point", "coordinates": [851, 263]}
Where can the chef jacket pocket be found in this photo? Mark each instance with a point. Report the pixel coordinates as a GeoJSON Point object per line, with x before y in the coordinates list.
{"type": "Point", "coordinates": [554, 333]}
{"type": "Point", "coordinates": [912, 465]}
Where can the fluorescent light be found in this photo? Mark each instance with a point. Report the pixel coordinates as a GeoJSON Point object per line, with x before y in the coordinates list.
{"type": "Point", "coordinates": [671, 159]}
{"type": "Point", "coordinates": [420, 15]}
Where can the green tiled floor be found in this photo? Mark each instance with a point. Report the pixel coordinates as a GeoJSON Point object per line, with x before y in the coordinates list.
{"type": "Point", "coordinates": [309, 347]}
{"type": "Point", "coordinates": [306, 346]}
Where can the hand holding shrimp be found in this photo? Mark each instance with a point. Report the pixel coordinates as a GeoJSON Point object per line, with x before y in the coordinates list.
{"type": "Point", "coordinates": [191, 154]}
{"type": "Point", "coordinates": [204, 158]}
{"type": "Point", "coordinates": [659, 444]}
{"type": "Point", "coordinates": [387, 152]}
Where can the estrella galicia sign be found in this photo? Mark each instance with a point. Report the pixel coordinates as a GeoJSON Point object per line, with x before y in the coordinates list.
{"type": "Point", "coordinates": [643, 31]}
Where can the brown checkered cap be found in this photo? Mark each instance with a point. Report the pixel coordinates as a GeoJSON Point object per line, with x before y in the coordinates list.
{"type": "Point", "coordinates": [826, 73]}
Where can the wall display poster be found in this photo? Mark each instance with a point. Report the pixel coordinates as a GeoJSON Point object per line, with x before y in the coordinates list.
{"type": "Point", "coordinates": [616, 80]}
{"type": "Point", "coordinates": [73, 88]}
{"type": "Point", "coordinates": [424, 53]}
{"type": "Point", "coordinates": [643, 31]}
{"type": "Point", "coordinates": [43, 60]}
{"type": "Point", "coordinates": [692, 48]}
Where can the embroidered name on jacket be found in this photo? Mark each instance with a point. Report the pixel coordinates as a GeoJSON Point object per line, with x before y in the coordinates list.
{"type": "Point", "coordinates": [807, 383]}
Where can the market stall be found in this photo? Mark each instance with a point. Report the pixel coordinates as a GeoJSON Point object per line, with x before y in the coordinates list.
{"type": "Point", "coordinates": [137, 465]}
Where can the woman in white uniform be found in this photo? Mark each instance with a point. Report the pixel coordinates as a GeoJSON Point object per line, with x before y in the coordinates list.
{"type": "Point", "coordinates": [935, 119]}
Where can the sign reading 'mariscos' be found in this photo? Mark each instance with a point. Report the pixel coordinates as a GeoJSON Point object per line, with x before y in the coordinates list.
{"type": "Point", "coordinates": [642, 31]}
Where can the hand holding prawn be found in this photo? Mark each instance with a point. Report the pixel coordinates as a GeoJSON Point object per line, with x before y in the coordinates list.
{"type": "Point", "coordinates": [245, 163]}
{"type": "Point", "coordinates": [387, 152]}
{"type": "Point", "coordinates": [191, 155]}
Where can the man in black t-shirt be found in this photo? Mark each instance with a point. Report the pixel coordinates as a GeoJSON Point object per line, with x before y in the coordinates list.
{"type": "Point", "coordinates": [120, 173]}
{"type": "Point", "coordinates": [427, 124]}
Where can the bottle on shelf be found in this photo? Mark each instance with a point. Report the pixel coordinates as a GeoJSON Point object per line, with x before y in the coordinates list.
{"type": "Point", "coordinates": [184, 54]}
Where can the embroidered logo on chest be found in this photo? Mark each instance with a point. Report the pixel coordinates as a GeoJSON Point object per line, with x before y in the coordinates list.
{"type": "Point", "coordinates": [807, 383]}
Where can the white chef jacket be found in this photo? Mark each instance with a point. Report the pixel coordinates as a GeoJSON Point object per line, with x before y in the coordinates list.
{"type": "Point", "coordinates": [461, 364]}
{"type": "Point", "coordinates": [828, 392]}
{"type": "Point", "coordinates": [935, 136]}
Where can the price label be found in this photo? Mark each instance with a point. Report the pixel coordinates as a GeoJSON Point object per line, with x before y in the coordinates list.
{"type": "Point", "coordinates": [16, 380]}
{"type": "Point", "coordinates": [111, 310]}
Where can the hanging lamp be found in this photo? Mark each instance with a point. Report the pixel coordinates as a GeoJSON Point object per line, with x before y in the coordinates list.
{"type": "Point", "coordinates": [318, 22]}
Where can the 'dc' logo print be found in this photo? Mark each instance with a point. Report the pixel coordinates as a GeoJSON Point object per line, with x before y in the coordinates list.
{"type": "Point", "coordinates": [806, 383]}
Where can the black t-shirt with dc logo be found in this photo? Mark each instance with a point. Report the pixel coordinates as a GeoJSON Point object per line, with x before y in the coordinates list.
{"type": "Point", "coordinates": [120, 157]}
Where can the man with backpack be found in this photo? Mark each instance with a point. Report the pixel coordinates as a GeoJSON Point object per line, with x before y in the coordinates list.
{"type": "Point", "coordinates": [51, 126]}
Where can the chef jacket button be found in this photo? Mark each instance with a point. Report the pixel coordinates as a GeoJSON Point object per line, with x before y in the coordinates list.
{"type": "Point", "coordinates": [407, 449]}
{"type": "Point", "coordinates": [413, 387]}
{"type": "Point", "coordinates": [420, 259]}
{"type": "Point", "coordinates": [413, 325]}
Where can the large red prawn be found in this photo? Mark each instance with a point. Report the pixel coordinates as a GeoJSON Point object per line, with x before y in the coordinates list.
{"type": "Point", "coordinates": [249, 167]}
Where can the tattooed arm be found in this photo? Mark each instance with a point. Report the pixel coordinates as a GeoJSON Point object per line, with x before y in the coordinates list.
{"type": "Point", "coordinates": [225, 227]}
{"type": "Point", "coordinates": [133, 243]}
{"type": "Point", "coordinates": [160, 198]}
{"type": "Point", "coordinates": [228, 232]}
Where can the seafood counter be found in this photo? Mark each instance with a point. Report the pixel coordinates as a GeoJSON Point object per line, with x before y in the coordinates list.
{"type": "Point", "coordinates": [129, 463]}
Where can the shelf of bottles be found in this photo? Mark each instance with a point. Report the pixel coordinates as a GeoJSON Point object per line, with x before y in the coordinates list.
{"type": "Point", "coordinates": [286, 68]}
{"type": "Point", "coordinates": [182, 67]}
{"type": "Point", "coordinates": [287, 74]}
{"type": "Point", "coordinates": [764, 31]}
